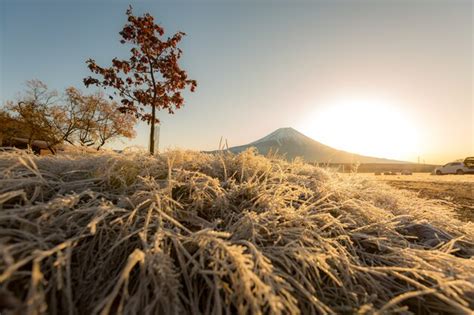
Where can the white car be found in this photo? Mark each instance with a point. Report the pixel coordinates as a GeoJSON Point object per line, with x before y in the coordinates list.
{"type": "Point", "coordinates": [452, 168]}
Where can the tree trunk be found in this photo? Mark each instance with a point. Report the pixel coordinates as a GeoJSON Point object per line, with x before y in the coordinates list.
{"type": "Point", "coordinates": [152, 130]}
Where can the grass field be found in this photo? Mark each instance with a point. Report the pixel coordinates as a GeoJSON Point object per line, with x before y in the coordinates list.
{"type": "Point", "coordinates": [456, 189]}
{"type": "Point", "coordinates": [186, 232]}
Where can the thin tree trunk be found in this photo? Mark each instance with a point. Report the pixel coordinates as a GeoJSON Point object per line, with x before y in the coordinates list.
{"type": "Point", "coordinates": [152, 130]}
{"type": "Point", "coordinates": [101, 144]}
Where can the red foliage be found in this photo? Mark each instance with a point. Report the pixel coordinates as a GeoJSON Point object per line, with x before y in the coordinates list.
{"type": "Point", "coordinates": [151, 77]}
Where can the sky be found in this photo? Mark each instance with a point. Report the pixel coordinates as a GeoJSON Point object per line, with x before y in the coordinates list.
{"type": "Point", "coordinates": [388, 78]}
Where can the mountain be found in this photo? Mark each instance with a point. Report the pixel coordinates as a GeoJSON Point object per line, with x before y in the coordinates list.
{"type": "Point", "coordinates": [292, 143]}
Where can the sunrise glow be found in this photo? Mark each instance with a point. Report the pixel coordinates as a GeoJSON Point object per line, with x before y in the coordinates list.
{"type": "Point", "coordinates": [368, 127]}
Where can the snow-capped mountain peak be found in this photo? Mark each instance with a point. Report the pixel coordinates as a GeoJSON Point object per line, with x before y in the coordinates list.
{"type": "Point", "coordinates": [283, 134]}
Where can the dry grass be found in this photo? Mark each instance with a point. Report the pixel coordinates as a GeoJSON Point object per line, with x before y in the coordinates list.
{"type": "Point", "coordinates": [457, 189]}
{"type": "Point", "coordinates": [221, 234]}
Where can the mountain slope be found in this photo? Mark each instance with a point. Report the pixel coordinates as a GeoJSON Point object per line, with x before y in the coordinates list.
{"type": "Point", "coordinates": [292, 143]}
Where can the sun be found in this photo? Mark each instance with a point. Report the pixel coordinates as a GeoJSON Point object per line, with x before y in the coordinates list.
{"type": "Point", "coordinates": [365, 127]}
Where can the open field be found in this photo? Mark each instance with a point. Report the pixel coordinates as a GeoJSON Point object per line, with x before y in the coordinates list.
{"type": "Point", "coordinates": [456, 189]}
{"type": "Point", "coordinates": [186, 232]}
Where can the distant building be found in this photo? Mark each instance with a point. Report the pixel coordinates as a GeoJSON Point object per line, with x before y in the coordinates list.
{"type": "Point", "coordinates": [14, 133]}
{"type": "Point", "coordinates": [37, 146]}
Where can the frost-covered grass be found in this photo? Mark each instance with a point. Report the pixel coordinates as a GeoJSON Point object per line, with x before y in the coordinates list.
{"type": "Point", "coordinates": [187, 232]}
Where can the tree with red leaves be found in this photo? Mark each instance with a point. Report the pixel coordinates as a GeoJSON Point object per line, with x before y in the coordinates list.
{"type": "Point", "coordinates": [151, 77]}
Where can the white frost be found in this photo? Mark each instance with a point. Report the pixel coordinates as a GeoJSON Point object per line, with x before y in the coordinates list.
{"type": "Point", "coordinates": [283, 134]}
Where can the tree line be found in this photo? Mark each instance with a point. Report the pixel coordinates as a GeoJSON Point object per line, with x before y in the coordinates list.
{"type": "Point", "coordinates": [89, 120]}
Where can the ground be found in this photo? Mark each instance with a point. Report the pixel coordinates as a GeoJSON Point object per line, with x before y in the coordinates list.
{"type": "Point", "coordinates": [184, 232]}
{"type": "Point", "coordinates": [458, 189]}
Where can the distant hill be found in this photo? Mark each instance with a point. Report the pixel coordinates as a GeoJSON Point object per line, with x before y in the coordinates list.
{"type": "Point", "coordinates": [292, 143]}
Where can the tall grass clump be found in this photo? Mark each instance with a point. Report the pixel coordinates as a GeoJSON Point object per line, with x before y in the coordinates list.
{"type": "Point", "coordinates": [187, 232]}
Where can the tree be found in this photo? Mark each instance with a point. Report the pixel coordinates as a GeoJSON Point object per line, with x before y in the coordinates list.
{"type": "Point", "coordinates": [66, 116]}
{"type": "Point", "coordinates": [76, 118]}
{"type": "Point", "coordinates": [112, 124]}
{"type": "Point", "coordinates": [151, 78]}
{"type": "Point", "coordinates": [91, 120]}
{"type": "Point", "coordinates": [31, 113]}
{"type": "Point", "coordinates": [10, 127]}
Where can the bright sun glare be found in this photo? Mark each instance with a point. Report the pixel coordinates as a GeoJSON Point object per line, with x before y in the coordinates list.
{"type": "Point", "coordinates": [364, 127]}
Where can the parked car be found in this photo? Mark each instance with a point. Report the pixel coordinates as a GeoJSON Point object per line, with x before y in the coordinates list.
{"type": "Point", "coordinates": [453, 168]}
